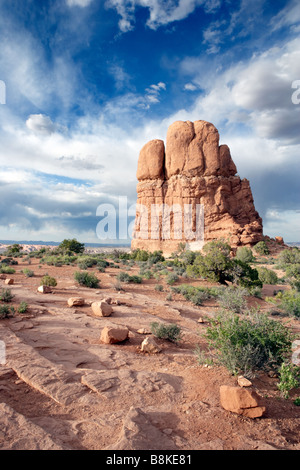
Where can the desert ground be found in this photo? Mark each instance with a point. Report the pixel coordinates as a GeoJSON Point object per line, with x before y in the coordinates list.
{"type": "Point", "coordinates": [62, 388]}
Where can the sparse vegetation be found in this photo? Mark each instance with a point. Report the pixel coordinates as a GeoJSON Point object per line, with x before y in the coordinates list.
{"type": "Point", "coordinates": [48, 281]}
{"type": "Point", "coordinates": [6, 295]}
{"type": "Point", "coordinates": [23, 307]}
{"type": "Point", "coordinates": [170, 332]}
{"type": "Point", "coordinates": [289, 378]}
{"type": "Point", "coordinates": [86, 279]}
{"type": "Point", "coordinates": [261, 248]}
{"type": "Point", "coordinates": [250, 343]}
{"type": "Point", "coordinates": [6, 311]}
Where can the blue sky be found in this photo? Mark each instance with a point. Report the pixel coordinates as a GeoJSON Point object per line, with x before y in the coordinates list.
{"type": "Point", "coordinates": [89, 82]}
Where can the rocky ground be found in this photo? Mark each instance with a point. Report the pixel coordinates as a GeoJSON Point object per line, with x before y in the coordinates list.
{"type": "Point", "coordinates": [62, 388]}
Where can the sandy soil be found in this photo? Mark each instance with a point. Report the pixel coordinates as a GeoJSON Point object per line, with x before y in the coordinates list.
{"type": "Point", "coordinates": [134, 400]}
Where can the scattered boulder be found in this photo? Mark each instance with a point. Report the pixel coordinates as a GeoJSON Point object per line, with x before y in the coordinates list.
{"type": "Point", "coordinates": [149, 345]}
{"type": "Point", "coordinates": [9, 281]}
{"type": "Point", "coordinates": [241, 401]}
{"type": "Point", "coordinates": [75, 301]}
{"type": "Point", "coordinates": [115, 334]}
{"type": "Point", "coordinates": [44, 289]}
{"type": "Point", "coordinates": [101, 309]}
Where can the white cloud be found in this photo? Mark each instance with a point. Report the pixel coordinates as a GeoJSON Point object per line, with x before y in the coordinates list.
{"type": "Point", "coordinates": [79, 3]}
{"type": "Point", "coordinates": [190, 87]}
{"type": "Point", "coordinates": [40, 124]}
{"type": "Point", "coordinates": [160, 12]}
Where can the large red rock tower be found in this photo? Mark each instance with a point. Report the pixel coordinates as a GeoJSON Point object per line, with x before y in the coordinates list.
{"type": "Point", "coordinates": [189, 191]}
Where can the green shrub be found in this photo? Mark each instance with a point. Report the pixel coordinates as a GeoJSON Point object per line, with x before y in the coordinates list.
{"type": "Point", "coordinates": [170, 332]}
{"type": "Point", "coordinates": [6, 295]}
{"type": "Point", "coordinates": [289, 256]}
{"type": "Point", "coordinates": [86, 279]}
{"type": "Point", "coordinates": [6, 311]}
{"type": "Point", "coordinates": [69, 246]}
{"type": "Point", "coordinates": [23, 307]}
{"type": "Point", "coordinates": [261, 248]}
{"type": "Point", "coordinates": [159, 287]}
{"type": "Point", "coordinates": [233, 299]}
{"type": "Point", "coordinates": [7, 270]}
{"type": "Point", "coordinates": [244, 275]}
{"type": "Point", "coordinates": [86, 262]}
{"type": "Point", "coordinates": [289, 375]}
{"type": "Point", "coordinates": [267, 276]}
{"type": "Point", "coordinates": [214, 264]}
{"type": "Point", "coordinates": [125, 277]}
{"type": "Point", "coordinates": [290, 302]}
{"type": "Point", "coordinates": [244, 254]}
{"type": "Point", "coordinates": [250, 343]}
{"type": "Point", "coordinates": [48, 281]}
{"type": "Point", "coordinates": [172, 278]}
{"type": "Point", "coordinates": [28, 272]}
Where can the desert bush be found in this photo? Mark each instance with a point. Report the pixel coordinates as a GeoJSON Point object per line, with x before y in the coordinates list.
{"type": "Point", "coordinates": [69, 246]}
{"type": "Point", "coordinates": [289, 378]}
{"type": "Point", "coordinates": [290, 302]}
{"type": "Point", "coordinates": [6, 295]}
{"type": "Point", "coordinates": [7, 270]}
{"type": "Point", "coordinates": [159, 287]}
{"type": "Point", "coordinates": [48, 281]}
{"type": "Point", "coordinates": [250, 343]}
{"type": "Point", "coordinates": [289, 256]}
{"type": "Point", "coordinates": [233, 299]}
{"type": "Point", "coordinates": [170, 332]}
{"type": "Point", "coordinates": [214, 264]}
{"type": "Point", "coordinates": [86, 279]}
{"type": "Point", "coordinates": [267, 276]}
{"type": "Point", "coordinates": [6, 311]}
{"type": "Point", "coordinates": [244, 275]}
{"type": "Point", "coordinates": [172, 278]}
{"type": "Point", "coordinates": [86, 262]}
{"type": "Point", "coordinates": [125, 277]}
{"type": "Point", "coordinates": [196, 295]}
{"type": "Point", "coordinates": [28, 272]}
{"type": "Point", "coordinates": [244, 254]}
{"type": "Point", "coordinates": [261, 248]}
{"type": "Point", "coordinates": [23, 307]}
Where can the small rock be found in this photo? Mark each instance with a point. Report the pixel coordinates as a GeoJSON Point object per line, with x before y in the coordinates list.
{"type": "Point", "coordinates": [241, 401]}
{"type": "Point", "coordinates": [243, 382]}
{"type": "Point", "coordinates": [144, 331]}
{"type": "Point", "coordinates": [2, 276]}
{"type": "Point", "coordinates": [149, 345]}
{"type": "Point", "coordinates": [200, 320]}
{"type": "Point", "coordinates": [44, 289]}
{"type": "Point", "coordinates": [9, 281]}
{"type": "Point", "coordinates": [101, 309]}
{"type": "Point", "coordinates": [111, 335]}
{"type": "Point", "coordinates": [75, 301]}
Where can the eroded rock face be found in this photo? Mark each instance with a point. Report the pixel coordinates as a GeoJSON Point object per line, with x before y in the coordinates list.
{"type": "Point", "coordinates": [190, 192]}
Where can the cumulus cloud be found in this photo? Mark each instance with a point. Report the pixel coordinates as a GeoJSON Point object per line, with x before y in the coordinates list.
{"type": "Point", "coordinates": [40, 124]}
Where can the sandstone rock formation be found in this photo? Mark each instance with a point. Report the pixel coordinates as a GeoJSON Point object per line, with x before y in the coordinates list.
{"type": "Point", "coordinates": [189, 191]}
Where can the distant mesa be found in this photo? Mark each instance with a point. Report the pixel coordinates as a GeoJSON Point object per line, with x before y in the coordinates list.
{"type": "Point", "coordinates": [189, 191]}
